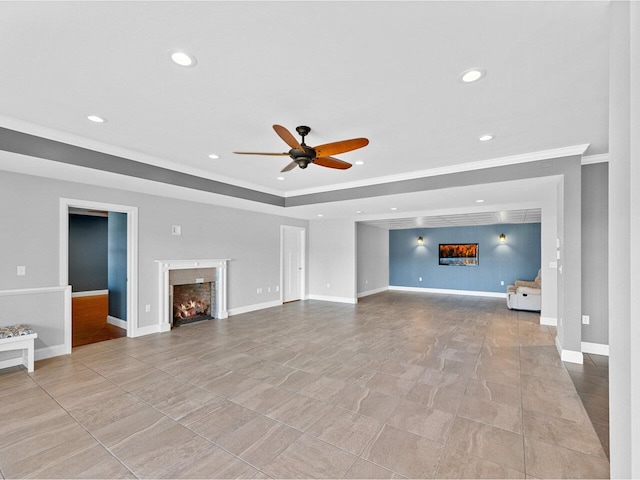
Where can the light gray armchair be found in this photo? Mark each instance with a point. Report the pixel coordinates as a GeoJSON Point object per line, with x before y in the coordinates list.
{"type": "Point", "coordinates": [525, 295]}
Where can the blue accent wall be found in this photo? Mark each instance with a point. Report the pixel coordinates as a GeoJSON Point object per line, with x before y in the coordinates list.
{"type": "Point", "coordinates": [517, 258]}
{"type": "Point", "coordinates": [87, 253]}
{"type": "Point", "coordinates": [118, 265]}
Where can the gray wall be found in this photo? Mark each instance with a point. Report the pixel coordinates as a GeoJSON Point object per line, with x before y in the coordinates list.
{"type": "Point", "coordinates": [87, 252]}
{"type": "Point", "coordinates": [595, 254]}
{"type": "Point", "coordinates": [332, 260]}
{"type": "Point", "coordinates": [251, 240]}
{"type": "Point", "coordinates": [373, 258]}
{"type": "Point", "coordinates": [45, 315]}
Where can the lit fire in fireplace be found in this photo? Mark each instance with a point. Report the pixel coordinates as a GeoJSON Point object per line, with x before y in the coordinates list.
{"type": "Point", "coordinates": [190, 309]}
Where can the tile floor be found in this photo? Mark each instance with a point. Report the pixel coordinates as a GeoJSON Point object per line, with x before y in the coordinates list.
{"type": "Point", "coordinates": [591, 380]}
{"type": "Point", "coordinates": [401, 385]}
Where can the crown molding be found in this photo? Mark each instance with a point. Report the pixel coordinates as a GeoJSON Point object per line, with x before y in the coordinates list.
{"type": "Point", "coordinates": [591, 159]}
{"type": "Point", "coordinates": [463, 167]}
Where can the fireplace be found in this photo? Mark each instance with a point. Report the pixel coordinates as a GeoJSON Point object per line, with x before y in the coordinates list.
{"type": "Point", "coordinates": [191, 291]}
{"type": "Point", "coordinates": [192, 295]}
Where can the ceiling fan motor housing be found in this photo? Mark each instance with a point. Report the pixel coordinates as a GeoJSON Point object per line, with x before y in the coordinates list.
{"type": "Point", "coordinates": [304, 156]}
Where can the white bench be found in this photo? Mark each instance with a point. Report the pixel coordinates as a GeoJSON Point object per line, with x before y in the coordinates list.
{"type": "Point", "coordinates": [21, 342]}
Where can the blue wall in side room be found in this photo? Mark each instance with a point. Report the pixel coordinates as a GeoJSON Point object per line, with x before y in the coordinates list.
{"type": "Point", "coordinates": [117, 233]}
{"type": "Point", "coordinates": [518, 258]}
{"type": "Point", "coordinates": [87, 253]}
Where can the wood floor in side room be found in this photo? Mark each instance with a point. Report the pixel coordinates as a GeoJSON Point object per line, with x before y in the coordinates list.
{"type": "Point", "coordinates": [89, 321]}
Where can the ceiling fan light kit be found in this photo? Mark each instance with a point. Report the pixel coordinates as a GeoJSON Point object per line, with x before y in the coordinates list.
{"type": "Point", "coordinates": [302, 155]}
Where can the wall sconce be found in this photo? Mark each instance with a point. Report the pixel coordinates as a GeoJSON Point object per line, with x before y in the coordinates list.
{"type": "Point", "coordinates": [420, 241]}
{"type": "Point", "coordinates": [503, 238]}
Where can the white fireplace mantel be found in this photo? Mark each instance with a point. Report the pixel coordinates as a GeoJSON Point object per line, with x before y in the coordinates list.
{"type": "Point", "coordinates": [165, 266]}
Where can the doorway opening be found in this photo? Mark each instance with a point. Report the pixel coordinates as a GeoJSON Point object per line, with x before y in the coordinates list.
{"type": "Point", "coordinates": [98, 258]}
{"type": "Point", "coordinates": [97, 275]}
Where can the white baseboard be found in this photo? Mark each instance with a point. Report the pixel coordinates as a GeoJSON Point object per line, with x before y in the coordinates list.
{"type": "Point", "coordinates": [372, 292]}
{"type": "Point", "coordinates": [254, 307]}
{"type": "Point", "coordinates": [90, 293]}
{"type": "Point", "coordinates": [595, 348]}
{"type": "Point", "coordinates": [148, 330]}
{"type": "Point", "coordinates": [570, 356]}
{"type": "Point", "coordinates": [326, 298]}
{"type": "Point", "coordinates": [446, 291]}
{"type": "Point", "coordinates": [550, 321]}
{"type": "Point", "coordinates": [117, 322]}
{"type": "Point", "coordinates": [48, 352]}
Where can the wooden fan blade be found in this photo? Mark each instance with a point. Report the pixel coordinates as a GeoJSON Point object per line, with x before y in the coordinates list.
{"type": "Point", "coordinates": [291, 166]}
{"type": "Point", "coordinates": [340, 147]}
{"type": "Point", "coordinates": [288, 138]}
{"type": "Point", "coordinates": [261, 153]}
{"type": "Point", "coordinates": [332, 163]}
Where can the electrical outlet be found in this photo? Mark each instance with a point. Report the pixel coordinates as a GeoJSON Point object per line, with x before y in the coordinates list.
{"type": "Point", "coordinates": [22, 270]}
{"type": "Point", "coordinates": [328, 285]}
{"type": "Point", "coordinates": [147, 308]}
{"type": "Point", "coordinates": [277, 288]}
{"type": "Point", "coordinates": [585, 319]}
{"type": "Point", "coordinates": [268, 289]}
{"type": "Point", "coordinates": [501, 282]}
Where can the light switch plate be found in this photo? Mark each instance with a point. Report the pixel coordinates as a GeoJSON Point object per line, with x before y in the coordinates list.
{"type": "Point", "coordinates": [176, 230]}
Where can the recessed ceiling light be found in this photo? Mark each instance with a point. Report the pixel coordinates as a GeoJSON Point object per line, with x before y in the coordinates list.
{"type": "Point", "coordinates": [320, 215]}
{"type": "Point", "coordinates": [359, 212]}
{"type": "Point", "coordinates": [280, 178]}
{"type": "Point", "coordinates": [472, 75]}
{"type": "Point", "coordinates": [182, 58]}
{"type": "Point", "coordinates": [213, 156]}
{"type": "Point", "coordinates": [479, 201]}
{"type": "Point", "coordinates": [96, 118]}
{"type": "Point", "coordinates": [359, 162]}
{"type": "Point", "coordinates": [485, 138]}
{"type": "Point", "coordinates": [394, 208]}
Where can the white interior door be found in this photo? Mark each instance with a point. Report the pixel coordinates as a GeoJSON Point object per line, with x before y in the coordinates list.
{"type": "Point", "coordinates": [292, 263]}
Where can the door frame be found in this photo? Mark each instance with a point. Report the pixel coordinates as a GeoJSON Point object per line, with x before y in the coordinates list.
{"type": "Point", "coordinates": [302, 232]}
{"type": "Point", "coordinates": [132, 256]}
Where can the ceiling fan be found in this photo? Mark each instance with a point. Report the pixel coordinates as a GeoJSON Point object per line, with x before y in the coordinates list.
{"type": "Point", "coordinates": [302, 155]}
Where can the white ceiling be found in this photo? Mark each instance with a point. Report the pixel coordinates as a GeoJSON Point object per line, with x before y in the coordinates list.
{"type": "Point", "coordinates": [533, 215]}
{"type": "Point", "coordinates": [387, 71]}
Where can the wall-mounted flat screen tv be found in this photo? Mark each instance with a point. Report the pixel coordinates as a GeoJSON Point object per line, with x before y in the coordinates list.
{"type": "Point", "coordinates": [462, 254]}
